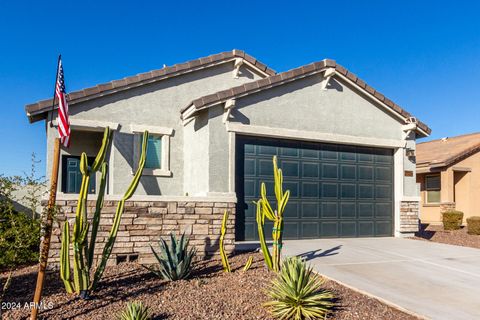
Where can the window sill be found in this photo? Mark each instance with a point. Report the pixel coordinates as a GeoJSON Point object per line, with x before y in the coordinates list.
{"type": "Point", "coordinates": [157, 172]}
{"type": "Point", "coordinates": [431, 204]}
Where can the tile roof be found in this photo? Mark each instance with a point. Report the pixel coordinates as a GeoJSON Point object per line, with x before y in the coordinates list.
{"type": "Point", "coordinates": [300, 72]}
{"type": "Point", "coordinates": [444, 152]}
{"type": "Point", "coordinates": [36, 111]}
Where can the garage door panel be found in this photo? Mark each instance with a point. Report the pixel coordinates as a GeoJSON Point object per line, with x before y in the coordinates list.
{"type": "Point", "coordinates": [329, 190]}
{"type": "Point", "coordinates": [383, 228]}
{"type": "Point", "coordinates": [348, 229]}
{"type": "Point", "coordinates": [348, 191]}
{"type": "Point", "coordinates": [290, 168]}
{"type": "Point", "coordinates": [293, 186]}
{"type": "Point", "coordinates": [310, 210]}
{"type": "Point", "coordinates": [366, 210]}
{"type": "Point", "coordinates": [348, 172]}
{"type": "Point", "coordinates": [291, 230]}
{"type": "Point", "coordinates": [383, 210]}
{"type": "Point", "coordinates": [289, 152]}
{"type": "Point", "coordinates": [329, 171]}
{"type": "Point", "coordinates": [348, 210]}
{"type": "Point", "coordinates": [310, 154]}
{"type": "Point", "coordinates": [383, 174]}
{"type": "Point", "coordinates": [336, 190]}
{"type": "Point", "coordinates": [265, 167]}
{"type": "Point", "coordinates": [383, 192]}
{"type": "Point", "coordinates": [251, 188]}
{"type": "Point", "coordinates": [365, 173]}
{"type": "Point", "coordinates": [330, 210]}
{"type": "Point", "coordinates": [310, 190]}
{"type": "Point", "coordinates": [310, 230]}
{"type": "Point", "coordinates": [310, 170]}
{"type": "Point", "coordinates": [329, 229]}
{"type": "Point", "coordinates": [291, 210]}
{"type": "Point", "coordinates": [366, 228]}
{"type": "Point", "coordinates": [250, 211]}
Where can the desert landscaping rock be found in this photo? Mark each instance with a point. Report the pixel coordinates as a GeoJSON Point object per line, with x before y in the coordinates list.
{"type": "Point", "coordinates": [209, 294]}
{"type": "Point", "coordinates": [455, 237]}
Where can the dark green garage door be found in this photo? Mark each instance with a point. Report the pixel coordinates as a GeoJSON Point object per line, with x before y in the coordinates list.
{"type": "Point", "coordinates": [336, 190]}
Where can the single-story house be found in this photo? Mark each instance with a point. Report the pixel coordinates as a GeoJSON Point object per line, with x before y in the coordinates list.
{"type": "Point", "coordinates": [448, 171]}
{"type": "Point", "coordinates": [347, 151]}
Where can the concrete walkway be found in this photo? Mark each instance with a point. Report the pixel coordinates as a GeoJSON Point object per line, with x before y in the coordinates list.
{"type": "Point", "coordinates": [433, 280]}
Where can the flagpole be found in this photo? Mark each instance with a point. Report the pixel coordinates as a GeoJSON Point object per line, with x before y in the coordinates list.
{"type": "Point", "coordinates": [45, 245]}
{"type": "Point", "coordinates": [55, 91]}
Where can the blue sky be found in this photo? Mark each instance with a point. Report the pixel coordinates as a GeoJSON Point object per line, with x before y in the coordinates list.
{"type": "Point", "coordinates": [424, 55]}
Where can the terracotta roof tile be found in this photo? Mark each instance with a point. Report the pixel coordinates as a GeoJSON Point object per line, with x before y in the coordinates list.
{"type": "Point", "coordinates": [37, 111]}
{"type": "Point", "coordinates": [445, 152]}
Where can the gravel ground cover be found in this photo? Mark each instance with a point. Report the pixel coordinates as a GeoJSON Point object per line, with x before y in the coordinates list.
{"type": "Point", "coordinates": [459, 237]}
{"type": "Point", "coordinates": [209, 294]}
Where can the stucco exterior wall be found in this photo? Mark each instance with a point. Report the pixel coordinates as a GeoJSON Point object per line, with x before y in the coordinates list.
{"type": "Point", "coordinates": [462, 188]}
{"type": "Point", "coordinates": [304, 106]}
{"type": "Point", "coordinates": [156, 104]}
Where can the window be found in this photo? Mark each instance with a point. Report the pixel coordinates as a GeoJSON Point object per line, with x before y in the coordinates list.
{"type": "Point", "coordinates": [432, 187]}
{"type": "Point", "coordinates": [154, 152]}
{"type": "Point", "coordinates": [72, 177]}
{"type": "Point", "coordinates": [157, 162]}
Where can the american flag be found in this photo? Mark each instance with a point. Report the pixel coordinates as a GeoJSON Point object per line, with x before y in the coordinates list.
{"type": "Point", "coordinates": [62, 120]}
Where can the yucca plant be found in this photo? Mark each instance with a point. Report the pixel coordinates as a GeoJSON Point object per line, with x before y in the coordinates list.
{"type": "Point", "coordinates": [297, 293]}
{"type": "Point", "coordinates": [174, 259]}
{"type": "Point", "coordinates": [135, 311]}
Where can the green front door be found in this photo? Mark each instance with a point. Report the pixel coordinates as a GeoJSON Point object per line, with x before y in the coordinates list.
{"type": "Point", "coordinates": [336, 190]}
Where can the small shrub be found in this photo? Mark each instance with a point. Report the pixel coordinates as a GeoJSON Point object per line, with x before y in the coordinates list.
{"type": "Point", "coordinates": [452, 220]}
{"type": "Point", "coordinates": [473, 225]}
{"type": "Point", "coordinates": [175, 258]}
{"type": "Point", "coordinates": [296, 293]}
{"type": "Point", "coordinates": [135, 311]}
{"type": "Point", "coordinates": [19, 233]}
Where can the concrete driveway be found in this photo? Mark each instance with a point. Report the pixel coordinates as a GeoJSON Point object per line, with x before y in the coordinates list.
{"type": "Point", "coordinates": [437, 281]}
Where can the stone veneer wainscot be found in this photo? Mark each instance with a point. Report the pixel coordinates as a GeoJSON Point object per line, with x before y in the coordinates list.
{"type": "Point", "coordinates": [143, 222]}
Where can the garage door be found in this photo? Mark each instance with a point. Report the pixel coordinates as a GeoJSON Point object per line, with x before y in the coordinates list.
{"type": "Point", "coordinates": [336, 190]}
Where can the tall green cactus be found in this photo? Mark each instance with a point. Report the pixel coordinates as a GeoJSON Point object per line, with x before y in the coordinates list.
{"type": "Point", "coordinates": [83, 247]}
{"type": "Point", "coordinates": [226, 264]}
{"type": "Point", "coordinates": [264, 209]}
{"type": "Point", "coordinates": [107, 250]}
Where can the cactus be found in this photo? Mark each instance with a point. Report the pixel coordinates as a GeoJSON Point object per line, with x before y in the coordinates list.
{"type": "Point", "coordinates": [248, 264]}
{"type": "Point", "coordinates": [107, 250]}
{"type": "Point", "coordinates": [65, 258]}
{"type": "Point", "coordinates": [226, 264]}
{"type": "Point", "coordinates": [260, 217]}
{"type": "Point", "coordinates": [276, 216]}
{"type": "Point", "coordinates": [83, 247]}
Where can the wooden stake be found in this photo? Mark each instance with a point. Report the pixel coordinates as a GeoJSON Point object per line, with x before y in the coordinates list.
{"type": "Point", "coordinates": [45, 245]}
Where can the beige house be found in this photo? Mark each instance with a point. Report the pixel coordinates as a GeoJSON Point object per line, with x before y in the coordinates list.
{"type": "Point", "coordinates": [448, 171]}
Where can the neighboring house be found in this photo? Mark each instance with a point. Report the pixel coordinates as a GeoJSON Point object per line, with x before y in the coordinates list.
{"type": "Point", "coordinates": [448, 171]}
{"type": "Point", "coordinates": [216, 122]}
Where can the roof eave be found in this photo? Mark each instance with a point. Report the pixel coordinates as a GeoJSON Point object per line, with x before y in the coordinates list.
{"type": "Point", "coordinates": [36, 111]}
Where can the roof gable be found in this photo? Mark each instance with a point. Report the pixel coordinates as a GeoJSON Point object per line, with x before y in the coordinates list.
{"type": "Point", "coordinates": [292, 75]}
{"type": "Point", "coordinates": [447, 151]}
{"type": "Point", "coordinates": [37, 111]}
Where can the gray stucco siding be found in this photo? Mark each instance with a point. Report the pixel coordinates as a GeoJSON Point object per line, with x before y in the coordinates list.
{"type": "Point", "coordinates": [156, 104]}
{"type": "Point", "coordinates": [304, 106]}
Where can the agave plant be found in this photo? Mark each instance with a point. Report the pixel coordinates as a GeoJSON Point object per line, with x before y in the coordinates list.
{"type": "Point", "coordinates": [296, 293]}
{"type": "Point", "coordinates": [135, 311]}
{"type": "Point", "coordinates": [175, 258]}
